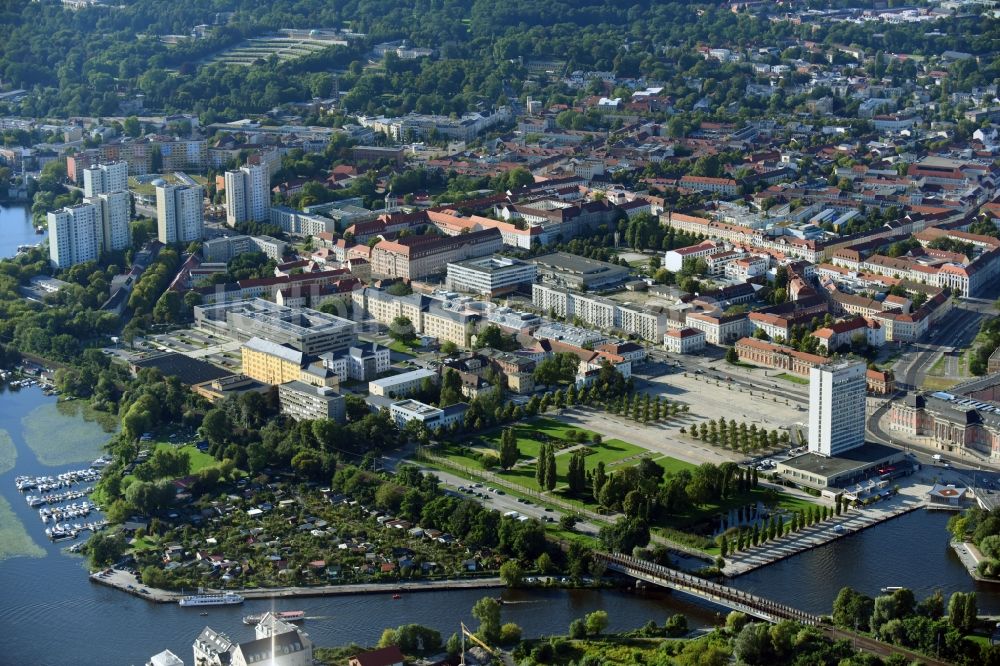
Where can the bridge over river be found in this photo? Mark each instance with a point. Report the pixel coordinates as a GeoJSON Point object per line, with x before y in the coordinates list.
{"type": "Point", "coordinates": [751, 604]}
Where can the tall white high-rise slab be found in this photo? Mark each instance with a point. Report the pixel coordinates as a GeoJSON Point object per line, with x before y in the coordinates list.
{"type": "Point", "coordinates": [836, 407]}
{"type": "Point", "coordinates": [115, 210]}
{"type": "Point", "coordinates": [180, 214]}
{"type": "Point", "coordinates": [248, 195]}
{"type": "Point", "coordinates": [105, 178]}
{"type": "Point", "coordinates": [74, 235]}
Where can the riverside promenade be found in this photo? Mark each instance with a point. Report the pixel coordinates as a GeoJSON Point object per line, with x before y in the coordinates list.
{"type": "Point", "coordinates": [126, 582]}
{"type": "Point", "coordinates": [817, 535]}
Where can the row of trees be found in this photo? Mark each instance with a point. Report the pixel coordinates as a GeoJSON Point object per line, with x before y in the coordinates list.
{"type": "Point", "coordinates": [738, 437]}
{"type": "Point", "coordinates": [644, 409]}
{"type": "Point", "coordinates": [545, 467]}
{"type": "Point", "coordinates": [742, 538]}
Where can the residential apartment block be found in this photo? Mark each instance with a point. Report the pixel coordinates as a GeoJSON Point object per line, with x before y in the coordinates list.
{"type": "Point", "coordinates": [599, 312]}
{"type": "Point", "coordinates": [75, 235]}
{"type": "Point", "coordinates": [180, 213]}
{"type": "Point", "coordinates": [225, 248]}
{"type": "Point", "coordinates": [304, 401]}
{"type": "Point", "coordinates": [248, 195]}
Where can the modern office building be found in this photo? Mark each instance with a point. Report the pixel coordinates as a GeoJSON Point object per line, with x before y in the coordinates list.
{"type": "Point", "coordinates": [105, 178]}
{"type": "Point", "coordinates": [309, 331]}
{"type": "Point", "coordinates": [248, 195]}
{"type": "Point", "coordinates": [179, 213]}
{"type": "Point", "coordinates": [836, 407]}
{"type": "Point", "coordinates": [305, 401]}
{"type": "Point", "coordinates": [562, 269]}
{"type": "Point", "coordinates": [75, 235]}
{"type": "Point", "coordinates": [491, 276]}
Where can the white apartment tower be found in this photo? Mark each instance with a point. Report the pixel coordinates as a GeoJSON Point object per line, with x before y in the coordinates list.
{"type": "Point", "coordinates": [115, 210]}
{"type": "Point", "coordinates": [105, 178]}
{"type": "Point", "coordinates": [106, 186]}
{"type": "Point", "coordinates": [74, 235]}
{"type": "Point", "coordinates": [836, 407]}
{"type": "Point", "coordinates": [248, 195]}
{"type": "Point", "coordinates": [180, 216]}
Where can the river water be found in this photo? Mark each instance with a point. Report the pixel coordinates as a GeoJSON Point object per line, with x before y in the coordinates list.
{"type": "Point", "coordinates": [16, 229]}
{"type": "Point", "coordinates": [51, 614]}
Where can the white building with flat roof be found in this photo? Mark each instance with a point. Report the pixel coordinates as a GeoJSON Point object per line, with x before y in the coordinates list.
{"type": "Point", "coordinates": [75, 235]}
{"type": "Point", "coordinates": [836, 407]}
{"type": "Point", "coordinates": [248, 195]}
{"type": "Point", "coordinates": [404, 411]}
{"type": "Point", "coordinates": [490, 276]}
{"type": "Point", "coordinates": [105, 178]}
{"type": "Point", "coordinates": [401, 385]}
{"type": "Point", "coordinates": [180, 213]}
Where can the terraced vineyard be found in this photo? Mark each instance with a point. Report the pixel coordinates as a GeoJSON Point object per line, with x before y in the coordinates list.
{"type": "Point", "coordinates": [285, 47]}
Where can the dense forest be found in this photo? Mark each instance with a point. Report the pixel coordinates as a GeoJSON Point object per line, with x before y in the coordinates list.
{"type": "Point", "coordinates": [85, 62]}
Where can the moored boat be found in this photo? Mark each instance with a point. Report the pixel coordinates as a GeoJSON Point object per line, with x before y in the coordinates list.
{"type": "Point", "coordinates": [227, 599]}
{"type": "Point", "coordinates": [295, 616]}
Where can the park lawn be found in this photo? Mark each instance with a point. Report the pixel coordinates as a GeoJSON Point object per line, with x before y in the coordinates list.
{"type": "Point", "coordinates": [199, 459]}
{"type": "Point", "coordinates": [708, 511]}
{"type": "Point", "coordinates": [527, 433]}
{"type": "Point", "coordinates": [672, 465]}
{"type": "Point", "coordinates": [792, 378]}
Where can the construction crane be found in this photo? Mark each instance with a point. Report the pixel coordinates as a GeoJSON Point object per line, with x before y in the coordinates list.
{"type": "Point", "coordinates": [475, 639]}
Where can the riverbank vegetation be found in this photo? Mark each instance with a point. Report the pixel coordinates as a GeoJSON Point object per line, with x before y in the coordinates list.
{"type": "Point", "coordinates": [982, 529]}
{"type": "Point", "coordinates": [927, 626]}
{"type": "Point", "coordinates": [669, 641]}
{"type": "Point", "coordinates": [14, 539]}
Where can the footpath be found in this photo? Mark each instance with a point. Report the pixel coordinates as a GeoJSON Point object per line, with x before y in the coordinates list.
{"type": "Point", "coordinates": [814, 536]}
{"type": "Point", "coordinates": [127, 582]}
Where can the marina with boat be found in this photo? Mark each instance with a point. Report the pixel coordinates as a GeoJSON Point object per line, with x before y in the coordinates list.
{"type": "Point", "coordinates": [51, 499]}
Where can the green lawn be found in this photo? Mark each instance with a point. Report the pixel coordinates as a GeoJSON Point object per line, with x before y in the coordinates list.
{"type": "Point", "coordinates": [793, 378]}
{"type": "Point", "coordinates": [530, 436]}
{"type": "Point", "coordinates": [401, 347]}
{"type": "Point", "coordinates": [199, 459]}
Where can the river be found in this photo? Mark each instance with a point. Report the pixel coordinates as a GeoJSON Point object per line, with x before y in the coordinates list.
{"type": "Point", "coordinates": [51, 614]}
{"type": "Point", "coordinates": [16, 229]}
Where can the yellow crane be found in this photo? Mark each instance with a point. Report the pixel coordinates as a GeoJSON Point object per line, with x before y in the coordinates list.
{"type": "Point", "coordinates": [475, 639]}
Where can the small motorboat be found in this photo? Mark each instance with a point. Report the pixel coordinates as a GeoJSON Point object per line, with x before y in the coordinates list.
{"type": "Point", "coordinates": [397, 596]}
{"type": "Point", "coordinates": [203, 614]}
